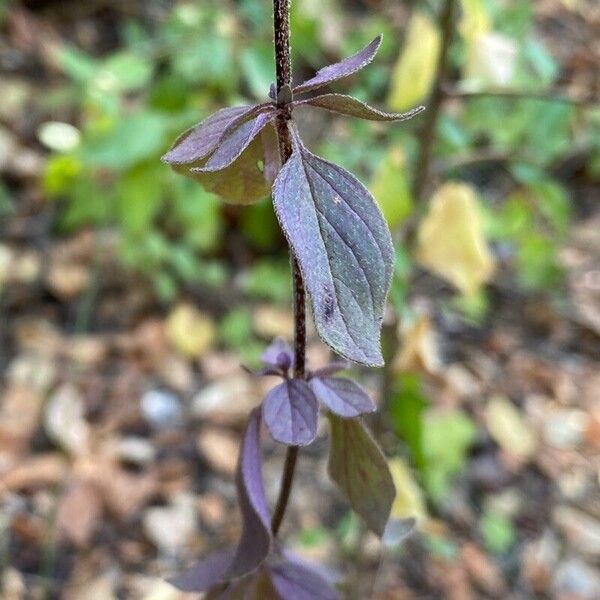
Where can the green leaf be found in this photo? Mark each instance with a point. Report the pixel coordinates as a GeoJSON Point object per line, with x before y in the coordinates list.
{"type": "Point", "coordinates": [447, 437]}
{"type": "Point", "coordinates": [406, 412]}
{"type": "Point", "coordinates": [497, 531]}
{"type": "Point", "coordinates": [131, 139]}
{"type": "Point", "coordinates": [139, 197]}
{"type": "Point", "coordinates": [258, 66]}
{"type": "Point", "coordinates": [390, 186]}
{"type": "Point", "coordinates": [235, 329]}
{"type": "Point", "coordinates": [123, 72]}
{"type": "Point", "coordinates": [360, 470]}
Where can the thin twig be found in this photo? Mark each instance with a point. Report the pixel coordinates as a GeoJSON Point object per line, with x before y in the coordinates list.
{"type": "Point", "coordinates": [431, 116]}
{"type": "Point", "coordinates": [448, 92]}
{"type": "Point", "coordinates": [281, 23]}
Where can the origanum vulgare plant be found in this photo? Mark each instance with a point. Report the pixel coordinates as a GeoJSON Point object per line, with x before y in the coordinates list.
{"type": "Point", "coordinates": [342, 254]}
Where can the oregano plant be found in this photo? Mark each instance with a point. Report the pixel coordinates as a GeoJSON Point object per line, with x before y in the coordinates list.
{"type": "Point", "coordinates": [342, 258]}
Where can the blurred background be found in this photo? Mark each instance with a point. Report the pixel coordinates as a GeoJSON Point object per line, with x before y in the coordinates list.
{"type": "Point", "coordinates": [129, 296]}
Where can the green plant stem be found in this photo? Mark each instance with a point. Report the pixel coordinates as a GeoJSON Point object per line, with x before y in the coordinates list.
{"type": "Point", "coordinates": [281, 25]}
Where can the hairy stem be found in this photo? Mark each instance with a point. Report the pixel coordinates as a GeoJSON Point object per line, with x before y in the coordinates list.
{"type": "Point", "coordinates": [281, 23]}
{"type": "Point", "coordinates": [432, 114]}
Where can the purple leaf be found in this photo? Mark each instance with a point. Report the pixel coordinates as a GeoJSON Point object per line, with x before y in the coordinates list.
{"type": "Point", "coordinates": [342, 396]}
{"type": "Point", "coordinates": [255, 542]}
{"type": "Point", "coordinates": [296, 580]}
{"type": "Point", "coordinates": [330, 369]}
{"type": "Point", "coordinates": [205, 574]}
{"type": "Point", "coordinates": [199, 141]}
{"type": "Point", "coordinates": [243, 181]}
{"type": "Point", "coordinates": [256, 586]}
{"type": "Point", "coordinates": [352, 107]}
{"type": "Point", "coordinates": [234, 142]}
{"type": "Point", "coordinates": [342, 69]}
{"type": "Point", "coordinates": [291, 413]}
{"type": "Point", "coordinates": [278, 354]}
{"type": "Point", "coordinates": [359, 468]}
{"type": "Point", "coordinates": [344, 249]}
{"type": "Point", "coordinates": [272, 162]}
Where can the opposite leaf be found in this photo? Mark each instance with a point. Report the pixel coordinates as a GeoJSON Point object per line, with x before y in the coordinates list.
{"type": "Point", "coordinates": [352, 107]}
{"type": "Point", "coordinates": [205, 574]}
{"type": "Point", "coordinates": [234, 142]}
{"type": "Point", "coordinates": [359, 468]}
{"type": "Point", "coordinates": [255, 542]}
{"type": "Point", "coordinates": [342, 396]}
{"type": "Point", "coordinates": [291, 413]}
{"type": "Point", "coordinates": [295, 580]}
{"type": "Point", "coordinates": [342, 69]}
{"type": "Point", "coordinates": [245, 180]}
{"type": "Point", "coordinates": [199, 141]}
{"type": "Point", "coordinates": [344, 249]}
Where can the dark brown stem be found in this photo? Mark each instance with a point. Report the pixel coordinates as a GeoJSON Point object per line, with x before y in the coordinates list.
{"type": "Point", "coordinates": [432, 113]}
{"type": "Point", "coordinates": [281, 22]}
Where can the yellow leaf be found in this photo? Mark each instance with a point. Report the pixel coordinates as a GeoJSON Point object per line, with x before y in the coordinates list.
{"type": "Point", "coordinates": [490, 57]}
{"type": "Point", "coordinates": [451, 240]}
{"type": "Point", "coordinates": [508, 428]}
{"type": "Point", "coordinates": [391, 188]}
{"type": "Point", "coordinates": [190, 332]}
{"type": "Point", "coordinates": [419, 351]}
{"type": "Point", "coordinates": [409, 499]}
{"type": "Point", "coordinates": [475, 20]}
{"type": "Point", "coordinates": [415, 70]}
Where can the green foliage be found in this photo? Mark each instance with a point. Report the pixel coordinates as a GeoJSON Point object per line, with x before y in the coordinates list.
{"type": "Point", "coordinates": [406, 412]}
{"type": "Point", "coordinates": [447, 437]}
{"type": "Point", "coordinates": [497, 531]}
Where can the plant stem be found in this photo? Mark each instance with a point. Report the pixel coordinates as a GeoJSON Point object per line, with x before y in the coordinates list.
{"type": "Point", "coordinates": [520, 95]}
{"type": "Point", "coordinates": [432, 113]}
{"type": "Point", "coordinates": [281, 25]}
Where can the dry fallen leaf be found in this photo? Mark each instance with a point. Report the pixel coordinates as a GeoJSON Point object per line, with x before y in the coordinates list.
{"type": "Point", "coordinates": [190, 332]}
{"type": "Point", "coordinates": [419, 351]}
{"type": "Point", "coordinates": [64, 419]}
{"type": "Point", "coordinates": [220, 450]}
{"type": "Point", "coordinates": [79, 512]}
{"type": "Point", "coordinates": [509, 429]}
{"type": "Point", "coordinates": [409, 501]}
{"type": "Point", "coordinates": [414, 72]}
{"type": "Point", "coordinates": [451, 239]}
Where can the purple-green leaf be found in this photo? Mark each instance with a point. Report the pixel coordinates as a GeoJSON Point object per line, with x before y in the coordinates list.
{"type": "Point", "coordinates": [245, 180]}
{"type": "Point", "coordinates": [234, 142]}
{"type": "Point", "coordinates": [291, 413]}
{"type": "Point", "coordinates": [358, 467]}
{"type": "Point", "coordinates": [297, 580]}
{"type": "Point", "coordinates": [341, 69]}
{"type": "Point", "coordinates": [255, 542]}
{"type": "Point", "coordinates": [344, 249]}
{"type": "Point", "coordinates": [352, 107]}
{"type": "Point", "coordinates": [342, 396]}
{"type": "Point", "coordinates": [199, 141]}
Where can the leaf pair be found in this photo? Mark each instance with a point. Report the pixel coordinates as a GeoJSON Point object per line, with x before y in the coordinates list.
{"type": "Point", "coordinates": [331, 221]}
{"type": "Point", "coordinates": [253, 569]}
{"type": "Point", "coordinates": [232, 153]}
{"type": "Point", "coordinates": [291, 409]}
